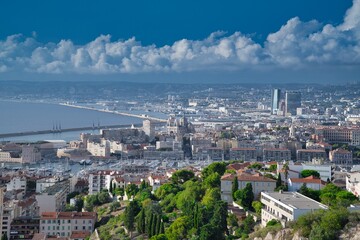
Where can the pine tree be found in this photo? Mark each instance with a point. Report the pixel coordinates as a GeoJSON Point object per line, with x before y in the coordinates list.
{"type": "Point", "coordinates": [235, 187]}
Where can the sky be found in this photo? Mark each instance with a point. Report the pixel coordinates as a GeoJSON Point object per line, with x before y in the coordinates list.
{"type": "Point", "coordinates": [275, 41]}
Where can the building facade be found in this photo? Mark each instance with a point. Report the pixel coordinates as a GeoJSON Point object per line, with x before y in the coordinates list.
{"type": "Point", "coordinates": [286, 206]}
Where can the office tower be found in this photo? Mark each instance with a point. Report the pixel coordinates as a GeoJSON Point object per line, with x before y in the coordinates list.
{"type": "Point", "coordinates": [292, 102]}
{"type": "Point", "coordinates": [275, 100]}
{"type": "Point", "coordinates": [149, 128]}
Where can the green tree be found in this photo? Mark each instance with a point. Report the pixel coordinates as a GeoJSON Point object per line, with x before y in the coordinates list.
{"type": "Point", "coordinates": [304, 190]}
{"type": "Point", "coordinates": [306, 173]}
{"type": "Point", "coordinates": [219, 167]}
{"type": "Point", "coordinates": [70, 208]}
{"type": "Point", "coordinates": [186, 199]}
{"type": "Point", "coordinates": [245, 196]}
{"type": "Point", "coordinates": [114, 206]}
{"type": "Point", "coordinates": [166, 189]}
{"type": "Point", "coordinates": [182, 176]}
{"type": "Point", "coordinates": [131, 190]}
{"type": "Point", "coordinates": [159, 237]}
{"type": "Point", "coordinates": [141, 221]}
{"type": "Point", "coordinates": [286, 168]}
{"type": "Point", "coordinates": [213, 180]}
{"type": "Point", "coordinates": [248, 224]}
{"type": "Point", "coordinates": [209, 231]}
{"type": "Point", "coordinates": [111, 187]}
{"type": "Point", "coordinates": [129, 215]}
{"type": "Point", "coordinates": [4, 237]}
{"type": "Point", "coordinates": [278, 181]}
{"type": "Point", "coordinates": [257, 206]}
{"type": "Point", "coordinates": [142, 185]}
{"type": "Point", "coordinates": [211, 197]}
{"type": "Point", "coordinates": [219, 218]}
{"type": "Point", "coordinates": [273, 167]}
{"type": "Point", "coordinates": [153, 225]}
{"type": "Point", "coordinates": [179, 228]}
{"type": "Point", "coordinates": [158, 225]}
{"type": "Point", "coordinates": [103, 197]}
{"type": "Point", "coordinates": [234, 187]}
{"type": "Point", "coordinates": [257, 166]}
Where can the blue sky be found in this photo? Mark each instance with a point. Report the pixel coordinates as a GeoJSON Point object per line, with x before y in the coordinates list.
{"type": "Point", "coordinates": [191, 41]}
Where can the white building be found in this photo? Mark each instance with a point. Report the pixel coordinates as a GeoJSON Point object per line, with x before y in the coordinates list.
{"type": "Point", "coordinates": [312, 182]}
{"type": "Point", "coordinates": [16, 183]}
{"type": "Point", "coordinates": [259, 184]}
{"type": "Point", "coordinates": [53, 199]}
{"type": "Point", "coordinates": [99, 149]}
{"type": "Point", "coordinates": [65, 224]}
{"type": "Point", "coordinates": [353, 183]}
{"type": "Point", "coordinates": [286, 206]}
{"type": "Point", "coordinates": [326, 171]}
{"type": "Point", "coordinates": [99, 180]}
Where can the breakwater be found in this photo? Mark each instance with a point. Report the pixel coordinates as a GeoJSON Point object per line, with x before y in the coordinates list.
{"type": "Point", "coordinates": [28, 133]}
{"type": "Point", "coordinates": [116, 112]}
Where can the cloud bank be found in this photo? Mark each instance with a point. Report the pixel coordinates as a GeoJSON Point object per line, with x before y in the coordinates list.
{"type": "Point", "coordinates": [296, 45]}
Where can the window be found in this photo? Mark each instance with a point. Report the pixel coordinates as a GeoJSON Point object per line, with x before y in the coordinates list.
{"type": "Point", "coordinates": [69, 221]}
{"type": "Point", "coordinates": [49, 221]}
{"type": "Point", "coordinates": [84, 228]}
{"type": "Point", "coordinates": [43, 221]}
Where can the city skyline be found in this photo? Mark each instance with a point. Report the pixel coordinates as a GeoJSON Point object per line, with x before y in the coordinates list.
{"type": "Point", "coordinates": [313, 48]}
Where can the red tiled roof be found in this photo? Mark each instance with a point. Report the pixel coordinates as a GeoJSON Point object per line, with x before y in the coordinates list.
{"type": "Point", "coordinates": [311, 150]}
{"type": "Point", "coordinates": [68, 215]}
{"type": "Point", "coordinates": [247, 177]}
{"type": "Point", "coordinates": [242, 149]}
{"type": "Point", "coordinates": [310, 179]}
{"type": "Point", "coordinates": [79, 234]}
{"type": "Point", "coordinates": [237, 166]}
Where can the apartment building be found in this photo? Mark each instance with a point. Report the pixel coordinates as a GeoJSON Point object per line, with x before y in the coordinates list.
{"type": "Point", "coordinates": [259, 184]}
{"type": "Point", "coordinates": [276, 154]}
{"type": "Point", "coordinates": [353, 183]}
{"type": "Point", "coordinates": [309, 154]}
{"type": "Point", "coordinates": [245, 154]}
{"type": "Point", "coordinates": [101, 179]}
{"type": "Point", "coordinates": [286, 206]}
{"type": "Point", "coordinates": [341, 157]}
{"type": "Point", "coordinates": [53, 198]}
{"type": "Point", "coordinates": [64, 224]}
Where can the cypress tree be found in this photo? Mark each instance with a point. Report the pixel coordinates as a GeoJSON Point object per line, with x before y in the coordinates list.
{"type": "Point", "coordinates": [111, 187]}
{"type": "Point", "coordinates": [141, 221]}
{"type": "Point", "coordinates": [278, 181]}
{"type": "Point", "coordinates": [234, 187]}
{"type": "Point", "coordinates": [162, 228]}
{"type": "Point", "coordinates": [153, 225]}
{"type": "Point", "coordinates": [151, 219]}
{"type": "Point", "coordinates": [196, 216]}
{"type": "Point", "coordinates": [158, 224]}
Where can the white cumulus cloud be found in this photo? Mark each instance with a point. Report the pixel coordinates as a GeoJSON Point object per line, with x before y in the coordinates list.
{"type": "Point", "coordinates": [295, 45]}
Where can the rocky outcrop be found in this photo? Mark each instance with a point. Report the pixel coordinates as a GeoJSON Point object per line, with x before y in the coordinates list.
{"type": "Point", "coordinates": [284, 234]}
{"type": "Point", "coordinates": [351, 233]}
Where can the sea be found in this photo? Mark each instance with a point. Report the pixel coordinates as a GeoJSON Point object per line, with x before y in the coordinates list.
{"type": "Point", "coordinates": [34, 116]}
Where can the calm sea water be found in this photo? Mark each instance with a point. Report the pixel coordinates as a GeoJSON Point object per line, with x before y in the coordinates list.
{"type": "Point", "coordinates": [24, 116]}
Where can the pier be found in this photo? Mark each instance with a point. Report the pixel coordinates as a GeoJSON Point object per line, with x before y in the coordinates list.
{"type": "Point", "coordinates": [29, 133]}
{"type": "Point", "coordinates": [116, 112]}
